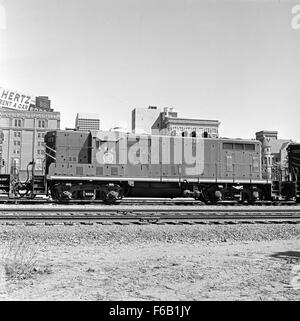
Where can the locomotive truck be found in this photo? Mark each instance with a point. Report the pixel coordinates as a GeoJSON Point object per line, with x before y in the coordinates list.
{"type": "Point", "coordinates": [108, 166]}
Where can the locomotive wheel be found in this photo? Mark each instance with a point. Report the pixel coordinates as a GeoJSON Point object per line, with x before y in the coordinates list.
{"type": "Point", "coordinates": [204, 197]}
{"type": "Point", "coordinates": [112, 193]}
{"type": "Point", "coordinates": [251, 195]}
{"type": "Point", "coordinates": [110, 197]}
{"type": "Point", "coordinates": [22, 190]}
{"type": "Point", "coordinates": [59, 194]}
{"type": "Point", "coordinates": [215, 196]}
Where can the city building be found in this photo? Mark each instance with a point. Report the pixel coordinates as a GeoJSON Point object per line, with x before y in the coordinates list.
{"type": "Point", "coordinates": [166, 122]}
{"type": "Point", "coordinates": [274, 150]}
{"type": "Point", "coordinates": [24, 133]}
{"type": "Point", "coordinates": [42, 103]}
{"type": "Point", "coordinates": [142, 119]}
{"type": "Point", "coordinates": [86, 122]}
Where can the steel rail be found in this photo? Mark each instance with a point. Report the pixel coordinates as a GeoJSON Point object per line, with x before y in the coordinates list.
{"type": "Point", "coordinates": [118, 210]}
{"type": "Point", "coordinates": [69, 214]}
{"type": "Point", "coordinates": [147, 217]}
{"type": "Point", "coordinates": [157, 217]}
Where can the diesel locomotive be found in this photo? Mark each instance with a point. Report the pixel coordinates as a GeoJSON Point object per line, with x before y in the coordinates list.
{"type": "Point", "coordinates": [108, 166]}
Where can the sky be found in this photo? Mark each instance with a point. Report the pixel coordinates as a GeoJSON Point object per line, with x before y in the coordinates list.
{"type": "Point", "coordinates": [234, 61]}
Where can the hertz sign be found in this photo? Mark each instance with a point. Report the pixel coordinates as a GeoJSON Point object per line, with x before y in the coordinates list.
{"type": "Point", "coordinates": [15, 100]}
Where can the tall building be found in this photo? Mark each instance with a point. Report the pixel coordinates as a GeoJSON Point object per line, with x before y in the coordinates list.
{"type": "Point", "coordinates": [142, 119]}
{"type": "Point", "coordinates": [154, 121]}
{"type": "Point", "coordinates": [86, 122]}
{"type": "Point", "coordinates": [24, 125]}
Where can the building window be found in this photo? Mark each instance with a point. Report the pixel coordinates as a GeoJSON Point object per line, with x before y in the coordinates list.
{"type": "Point", "coordinates": [17, 143]}
{"type": "Point", "coordinates": [41, 124]}
{"type": "Point", "coordinates": [40, 152]}
{"type": "Point", "coordinates": [17, 134]}
{"type": "Point", "coordinates": [18, 122]}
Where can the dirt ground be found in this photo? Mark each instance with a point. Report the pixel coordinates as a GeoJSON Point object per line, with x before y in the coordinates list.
{"type": "Point", "coordinates": [250, 262]}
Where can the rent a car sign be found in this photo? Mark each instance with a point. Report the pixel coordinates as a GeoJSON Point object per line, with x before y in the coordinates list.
{"type": "Point", "coordinates": [15, 100]}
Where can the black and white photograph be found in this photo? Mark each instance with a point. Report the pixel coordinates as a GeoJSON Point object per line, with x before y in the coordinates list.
{"type": "Point", "coordinates": [149, 151]}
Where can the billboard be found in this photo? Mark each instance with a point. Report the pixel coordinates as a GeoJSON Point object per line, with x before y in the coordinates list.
{"type": "Point", "coordinates": [15, 100]}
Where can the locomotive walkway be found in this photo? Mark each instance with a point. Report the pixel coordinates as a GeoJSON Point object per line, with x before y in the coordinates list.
{"type": "Point", "coordinates": [125, 215]}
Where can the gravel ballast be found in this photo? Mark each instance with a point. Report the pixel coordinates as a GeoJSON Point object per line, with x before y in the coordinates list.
{"type": "Point", "coordinates": [154, 262]}
{"type": "Point", "coordinates": [149, 233]}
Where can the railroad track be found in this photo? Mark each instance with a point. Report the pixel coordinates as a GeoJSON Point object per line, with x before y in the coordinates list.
{"type": "Point", "coordinates": [143, 201]}
{"type": "Point", "coordinates": [70, 215]}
